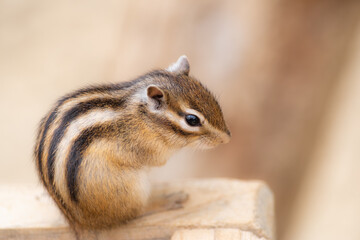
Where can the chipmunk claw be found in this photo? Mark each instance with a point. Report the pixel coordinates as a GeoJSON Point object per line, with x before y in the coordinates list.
{"type": "Point", "coordinates": [176, 200]}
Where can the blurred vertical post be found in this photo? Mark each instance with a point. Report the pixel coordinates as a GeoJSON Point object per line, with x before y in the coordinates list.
{"type": "Point", "coordinates": [328, 206]}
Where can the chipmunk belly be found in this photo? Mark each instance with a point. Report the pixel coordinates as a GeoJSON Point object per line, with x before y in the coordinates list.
{"type": "Point", "coordinates": [109, 193]}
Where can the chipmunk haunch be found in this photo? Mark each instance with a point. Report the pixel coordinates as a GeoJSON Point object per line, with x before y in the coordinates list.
{"type": "Point", "coordinates": [94, 147]}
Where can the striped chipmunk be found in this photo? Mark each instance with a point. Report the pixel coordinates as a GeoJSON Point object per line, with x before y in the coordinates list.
{"type": "Point", "coordinates": [95, 146]}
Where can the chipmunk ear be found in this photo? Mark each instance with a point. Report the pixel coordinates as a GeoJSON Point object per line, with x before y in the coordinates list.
{"type": "Point", "coordinates": [181, 66]}
{"type": "Point", "coordinates": [156, 96]}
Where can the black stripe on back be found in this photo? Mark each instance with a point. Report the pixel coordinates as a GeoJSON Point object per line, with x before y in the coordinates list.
{"type": "Point", "coordinates": [37, 146]}
{"type": "Point", "coordinates": [53, 115]}
{"type": "Point", "coordinates": [82, 142]}
{"type": "Point", "coordinates": [90, 90]}
{"type": "Point", "coordinates": [50, 119]}
{"type": "Point", "coordinates": [78, 110]}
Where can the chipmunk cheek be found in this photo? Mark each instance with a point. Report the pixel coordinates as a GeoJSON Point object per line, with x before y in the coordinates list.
{"type": "Point", "coordinates": [213, 140]}
{"type": "Point", "coordinates": [201, 142]}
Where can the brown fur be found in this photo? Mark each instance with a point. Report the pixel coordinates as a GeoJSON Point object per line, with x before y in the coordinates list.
{"type": "Point", "coordinates": [101, 154]}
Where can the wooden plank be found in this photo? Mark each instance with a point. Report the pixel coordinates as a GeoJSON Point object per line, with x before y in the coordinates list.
{"type": "Point", "coordinates": [214, 234]}
{"type": "Point", "coordinates": [27, 212]}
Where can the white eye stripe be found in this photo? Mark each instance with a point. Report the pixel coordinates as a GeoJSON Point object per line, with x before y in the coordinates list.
{"type": "Point", "coordinates": [204, 122]}
{"type": "Point", "coordinates": [181, 122]}
{"type": "Point", "coordinates": [75, 128]}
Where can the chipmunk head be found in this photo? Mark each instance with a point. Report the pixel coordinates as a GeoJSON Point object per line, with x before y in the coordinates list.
{"type": "Point", "coordinates": [180, 105]}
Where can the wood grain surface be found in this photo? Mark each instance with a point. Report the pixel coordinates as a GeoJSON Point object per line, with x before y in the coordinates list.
{"type": "Point", "coordinates": [215, 209]}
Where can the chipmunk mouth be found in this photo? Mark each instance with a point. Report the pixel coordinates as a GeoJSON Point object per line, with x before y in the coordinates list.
{"type": "Point", "coordinates": [208, 142]}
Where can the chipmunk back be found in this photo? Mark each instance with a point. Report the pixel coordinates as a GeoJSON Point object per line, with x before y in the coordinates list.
{"type": "Point", "coordinates": [94, 147]}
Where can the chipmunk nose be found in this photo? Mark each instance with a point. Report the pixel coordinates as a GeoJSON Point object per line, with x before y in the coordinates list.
{"type": "Point", "coordinates": [225, 138]}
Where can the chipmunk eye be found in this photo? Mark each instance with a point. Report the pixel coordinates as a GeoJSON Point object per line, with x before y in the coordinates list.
{"type": "Point", "coordinates": [192, 120]}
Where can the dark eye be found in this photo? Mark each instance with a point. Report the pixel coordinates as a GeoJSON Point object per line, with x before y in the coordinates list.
{"type": "Point", "coordinates": [192, 120]}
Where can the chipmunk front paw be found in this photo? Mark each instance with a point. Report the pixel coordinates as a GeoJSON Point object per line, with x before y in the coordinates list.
{"type": "Point", "coordinates": [175, 200]}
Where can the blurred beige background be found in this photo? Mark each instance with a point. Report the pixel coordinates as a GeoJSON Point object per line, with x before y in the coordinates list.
{"type": "Point", "coordinates": [285, 72]}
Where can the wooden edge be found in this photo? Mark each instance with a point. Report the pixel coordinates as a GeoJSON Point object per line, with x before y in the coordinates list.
{"type": "Point", "coordinates": [214, 234]}
{"type": "Point", "coordinates": [221, 207]}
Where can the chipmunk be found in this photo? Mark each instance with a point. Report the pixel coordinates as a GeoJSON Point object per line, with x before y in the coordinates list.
{"type": "Point", "coordinates": [94, 147]}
